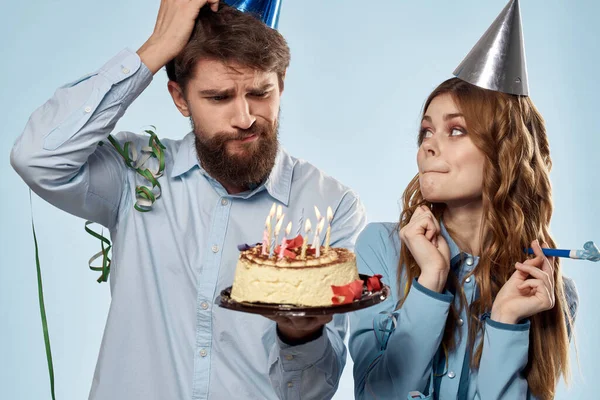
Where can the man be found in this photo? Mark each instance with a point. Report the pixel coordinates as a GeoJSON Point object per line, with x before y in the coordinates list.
{"type": "Point", "coordinates": [164, 337]}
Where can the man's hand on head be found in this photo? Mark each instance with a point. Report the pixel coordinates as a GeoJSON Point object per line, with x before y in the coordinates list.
{"type": "Point", "coordinates": [174, 26]}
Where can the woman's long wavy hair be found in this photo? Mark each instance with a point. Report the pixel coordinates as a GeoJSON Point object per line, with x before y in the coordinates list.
{"type": "Point", "coordinates": [517, 207]}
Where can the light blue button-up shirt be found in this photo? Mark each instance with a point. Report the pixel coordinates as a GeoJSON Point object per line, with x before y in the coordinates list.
{"type": "Point", "coordinates": [165, 338]}
{"type": "Point", "coordinates": [396, 352]}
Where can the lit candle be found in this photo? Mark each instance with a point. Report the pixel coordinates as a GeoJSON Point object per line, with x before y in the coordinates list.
{"type": "Point", "coordinates": [307, 229]}
{"type": "Point", "coordinates": [279, 212]}
{"type": "Point", "coordinates": [328, 234]}
{"type": "Point", "coordinates": [277, 229]}
{"type": "Point", "coordinates": [288, 229]}
{"type": "Point", "coordinates": [265, 241]}
{"type": "Point", "coordinates": [317, 240]}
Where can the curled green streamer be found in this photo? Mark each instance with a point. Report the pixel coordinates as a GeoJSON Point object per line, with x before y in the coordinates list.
{"type": "Point", "coordinates": [145, 195]}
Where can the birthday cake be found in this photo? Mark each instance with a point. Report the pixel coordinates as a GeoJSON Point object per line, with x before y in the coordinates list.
{"type": "Point", "coordinates": [294, 273]}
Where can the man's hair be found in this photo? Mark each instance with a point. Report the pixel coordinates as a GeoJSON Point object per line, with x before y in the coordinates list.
{"type": "Point", "coordinates": [231, 37]}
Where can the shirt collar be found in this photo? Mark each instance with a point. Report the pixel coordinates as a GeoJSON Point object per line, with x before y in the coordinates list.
{"type": "Point", "coordinates": [185, 158]}
{"type": "Point", "coordinates": [278, 184]}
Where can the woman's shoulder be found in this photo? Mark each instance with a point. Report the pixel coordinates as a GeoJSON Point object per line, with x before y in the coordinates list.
{"type": "Point", "coordinates": [378, 249]}
{"type": "Point", "coordinates": [379, 235]}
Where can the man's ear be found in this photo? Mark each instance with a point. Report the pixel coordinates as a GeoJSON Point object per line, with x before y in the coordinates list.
{"type": "Point", "coordinates": [178, 98]}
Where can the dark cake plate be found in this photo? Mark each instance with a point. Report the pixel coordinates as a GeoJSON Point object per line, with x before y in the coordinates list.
{"type": "Point", "coordinates": [368, 299]}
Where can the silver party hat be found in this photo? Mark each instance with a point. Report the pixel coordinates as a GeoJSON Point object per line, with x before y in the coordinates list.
{"type": "Point", "coordinates": [497, 61]}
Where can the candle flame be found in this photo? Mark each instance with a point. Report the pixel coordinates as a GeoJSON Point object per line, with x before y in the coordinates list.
{"type": "Point", "coordinates": [272, 212]}
{"type": "Point", "coordinates": [329, 214]}
{"type": "Point", "coordinates": [307, 226]}
{"type": "Point", "coordinates": [288, 229]}
{"type": "Point", "coordinates": [317, 213]}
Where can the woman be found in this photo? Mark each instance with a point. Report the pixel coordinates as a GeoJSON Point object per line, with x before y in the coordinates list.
{"type": "Point", "coordinates": [472, 316]}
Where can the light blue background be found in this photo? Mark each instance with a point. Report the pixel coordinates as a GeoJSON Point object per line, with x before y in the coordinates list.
{"type": "Point", "coordinates": [360, 73]}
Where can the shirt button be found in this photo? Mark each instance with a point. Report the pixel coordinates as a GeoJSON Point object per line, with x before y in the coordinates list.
{"type": "Point", "coordinates": [468, 280]}
{"type": "Point", "coordinates": [460, 322]}
{"type": "Point", "coordinates": [88, 109]}
{"type": "Point", "coordinates": [203, 352]}
{"type": "Point", "coordinates": [204, 305]}
{"type": "Point", "coordinates": [125, 70]}
{"type": "Point", "coordinates": [215, 248]}
{"type": "Point", "coordinates": [469, 261]}
{"type": "Point", "coordinates": [289, 357]}
{"type": "Point", "coordinates": [290, 384]}
{"type": "Point", "coordinates": [451, 374]}
{"type": "Point", "coordinates": [224, 202]}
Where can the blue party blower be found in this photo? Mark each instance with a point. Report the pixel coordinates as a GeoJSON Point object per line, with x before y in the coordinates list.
{"type": "Point", "coordinates": [590, 252]}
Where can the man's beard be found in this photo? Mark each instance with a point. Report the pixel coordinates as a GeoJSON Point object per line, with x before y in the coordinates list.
{"type": "Point", "coordinates": [250, 167]}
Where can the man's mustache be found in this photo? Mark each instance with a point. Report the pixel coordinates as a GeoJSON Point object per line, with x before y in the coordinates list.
{"type": "Point", "coordinates": [242, 134]}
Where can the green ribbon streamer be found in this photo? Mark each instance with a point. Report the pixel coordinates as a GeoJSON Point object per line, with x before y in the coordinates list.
{"type": "Point", "coordinates": [42, 307]}
{"type": "Point", "coordinates": [105, 268]}
{"type": "Point", "coordinates": [145, 195]}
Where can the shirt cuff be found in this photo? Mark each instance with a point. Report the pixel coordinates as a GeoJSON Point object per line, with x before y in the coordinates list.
{"type": "Point", "coordinates": [446, 297]}
{"type": "Point", "coordinates": [520, 327]}
{"type": "Point", "coordinates": [125, 64]}
{"type": "Point", "coordinates": [302, 356]}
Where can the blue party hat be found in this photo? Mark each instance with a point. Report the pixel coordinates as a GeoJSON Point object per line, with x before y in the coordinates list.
{"type": "Point", "coordinates": [266, 10]}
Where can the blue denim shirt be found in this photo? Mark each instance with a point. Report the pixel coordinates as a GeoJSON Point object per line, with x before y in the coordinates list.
{"type": "Point", "coordinates": [398, 352]}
